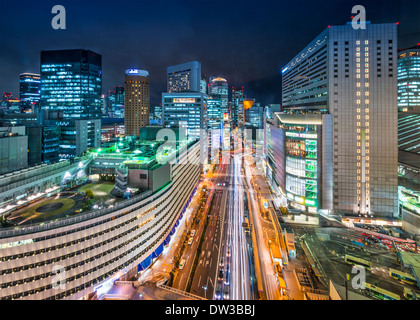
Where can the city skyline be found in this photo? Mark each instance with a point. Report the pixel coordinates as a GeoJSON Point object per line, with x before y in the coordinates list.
{"type": "Point", "coordinates": [249, 51]}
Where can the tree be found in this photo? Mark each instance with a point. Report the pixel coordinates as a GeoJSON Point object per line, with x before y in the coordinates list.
{"type": "Point", "coordinates": [89, 194]}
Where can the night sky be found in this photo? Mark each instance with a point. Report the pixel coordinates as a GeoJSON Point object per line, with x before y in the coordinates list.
{"type": "Point", "coordinates": [247, 42]}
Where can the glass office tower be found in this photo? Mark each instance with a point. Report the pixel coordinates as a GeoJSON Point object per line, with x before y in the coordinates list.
{"type": "Point", "coordinates": [219, 89]}
{"type": "Point", "coordinates": [30, 92]}
{"type": "Point", "coordinates": [72, 83]}
{"type": "Point", "coordinates": [185, 110]}
{"type": "Point", "coordinates": [409, 79]}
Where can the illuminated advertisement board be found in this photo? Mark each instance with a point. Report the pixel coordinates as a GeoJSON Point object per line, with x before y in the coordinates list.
{"type": "Point", "coordinates": [184, 100]}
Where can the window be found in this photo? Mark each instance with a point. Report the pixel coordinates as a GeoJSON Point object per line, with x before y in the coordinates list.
{"type": "Point", "coordinates": [143, 176]}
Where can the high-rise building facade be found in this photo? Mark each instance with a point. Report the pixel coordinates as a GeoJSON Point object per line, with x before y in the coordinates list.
{"type": "Point", "coordinates": [409, 99]}
{"type": "Point", "coordinates": [114, 103]}
{"type": "Point", "coordinates": [185, 77]}
{"type": "Point", "coordinates": [72, 83]}
{"type": "Point", "coordinates": [203, 84]}
{"type": "Point", "coordinates": [30, 92]}
{"type": "Point", "coordinates": [214, 125]}
{"type": "Point", "coordinates": [352, 75]}
{"type": "Point", "coordinates": [409, 79]}
{"type": "Point", "coordinates": [219, 89]}
{"type": "Point", "coordinates": [237, 106]}
{"type": "Point", "coordinates": [137, 101]}
{"type": "Point", "coordinates": [13, 149]}
{"type": "Point", "coordinates": [185, 110]}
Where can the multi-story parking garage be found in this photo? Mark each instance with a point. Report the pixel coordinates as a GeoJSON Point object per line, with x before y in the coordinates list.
{"type": "Point", "coordinates": [73, 257]}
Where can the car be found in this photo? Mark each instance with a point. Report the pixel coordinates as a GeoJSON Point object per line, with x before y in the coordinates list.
{"type": "Point", "coordinates": [182, 264]}
{"type": "Point", "coordinates": [221, 264]}
{"type": "Point", "coordinates": [192, 233]}
{"type": "Point", "coordinates": [226, 294]}
{"type": "Point", "coordinates": [220, 275]}
{"type": "Point", "coordinates": [227, 278]}
{"type": "Point", "coordinates": [228, 253]}
{"type": "Point", "coordinates": [218, 294]}
{"type": "Point", "coordinates": [190, 241]}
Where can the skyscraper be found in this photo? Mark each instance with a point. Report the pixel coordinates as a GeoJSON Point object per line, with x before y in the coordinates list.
{"type": "Point", "coordinates": [185, 110]}
{"type": "Point", "coordinates": [351, 75]}
{"type": "Point", "coordinates": [137, 101]}
{"type": "Point", "coordinates": [409, 100]}
{"type": "Point", "coordinates": [219, 89]}
{"type": "Point", "coordinates": [203, 84]}
{"type": "Point", "coordinates": [185, 77]}
{"type": "Point", "coordinates": [114, 103]}
{"type": "Point", "coordinates": [72, 83]}
{"type": "Point", "coordinates": [71, 90]}
{"type": "Point", "coordinates": [237, 106]}
{"type": "Point", "coordinates": [30, 92]}
{"type": "Point", "coordinates": [409, 79]}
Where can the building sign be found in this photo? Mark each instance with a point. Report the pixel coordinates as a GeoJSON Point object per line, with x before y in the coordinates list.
{"type": "Point", "coordinates": [184, 100]}
{"type": "Point", "coordinates": [301, 135]}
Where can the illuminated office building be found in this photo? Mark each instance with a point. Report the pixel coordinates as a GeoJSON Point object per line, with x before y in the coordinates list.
{"type": "Point", "coordinates": [409, 99]}
{"type": "Point", "coordinates": [203, 84]}
{"type": "Point", "coordinates": [113, 103]}
{"type": "Point", "coordinates": [409, 79]}
{"type": "Point", "coordinates": [215, 125]}
{"type": "Point", "coordinates": [237, 106]}
{"type": "Point", "coordinates": [72, 83]}
{"type": "Point", "coordinates": [30, 92]}
{"type": "Point", "coordinates": [185, 110]}
{"type": "Point", "coordinates": [137, 101]}
{"type": "Point", "coordinates": [219, 89]}
{"type": "Point", "coordinates": [185, 77]}
{"type": "Point", "coordinates": [351, 74]}
{"type": "Point", "coordinates": [13, 149]}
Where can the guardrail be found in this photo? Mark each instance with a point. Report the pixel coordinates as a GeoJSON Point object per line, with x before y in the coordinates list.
{"type": "Point", "coordinates": [124, 283]}
{"type": "Point", "coordinates": [116, 297]}
{"type": "Point", "coordinates": [161, 285]}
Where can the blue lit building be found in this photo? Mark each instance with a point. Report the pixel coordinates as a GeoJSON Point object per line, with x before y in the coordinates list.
{"type": "Point", "coordinates": [219, 89]}
{"type": "Point", "coordinates": [71, 91]}
{"type": "Point", "coordinates": [409, 79]}
{"type": "Point", "coordinates": [72, 83]}
{"type": "Point", "coordinates": [237, 105]}
{"type": "Point", "coordinates": [215, 125]}
{"type": "Point", "coordinates": [185, 110]}
{"type": "Point", "coordinates": [30, 92]}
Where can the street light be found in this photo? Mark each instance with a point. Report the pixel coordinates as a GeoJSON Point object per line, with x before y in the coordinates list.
{"type": "Point", "coordinates": [205, 291]}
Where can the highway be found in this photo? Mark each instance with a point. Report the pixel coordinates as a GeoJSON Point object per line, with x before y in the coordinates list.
{"type": "Point", "coordinates": [236, 244]}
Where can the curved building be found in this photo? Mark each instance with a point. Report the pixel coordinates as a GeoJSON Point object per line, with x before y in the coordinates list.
{"type": "Point", "coordinates": [75, 257]}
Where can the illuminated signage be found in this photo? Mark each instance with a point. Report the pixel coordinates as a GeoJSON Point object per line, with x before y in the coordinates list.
{"type": "Point", "coordinates": [301, 135]}
{"type": "Point", "coordinates": [184, 100]}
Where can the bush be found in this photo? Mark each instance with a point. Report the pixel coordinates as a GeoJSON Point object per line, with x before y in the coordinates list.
{"type": "Point", "coordinates": [88, 204]}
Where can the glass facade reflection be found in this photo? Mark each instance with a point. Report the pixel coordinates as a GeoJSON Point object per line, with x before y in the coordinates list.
{"type": "Point", "coordinates": [72, 83]}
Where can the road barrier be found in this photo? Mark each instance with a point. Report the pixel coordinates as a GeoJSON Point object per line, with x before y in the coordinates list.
{"type": "Point", "coordinates": [161, 285]}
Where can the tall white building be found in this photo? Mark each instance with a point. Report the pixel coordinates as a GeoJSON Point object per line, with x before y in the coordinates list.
{"type": "Point", "coordinates": [352, 75]}
{"type": "Point", "coordinates": [185, 77]}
